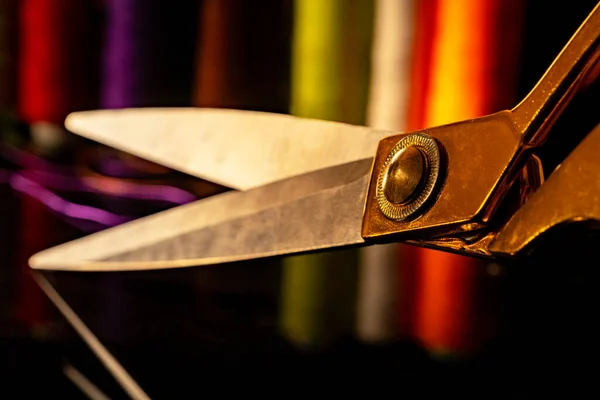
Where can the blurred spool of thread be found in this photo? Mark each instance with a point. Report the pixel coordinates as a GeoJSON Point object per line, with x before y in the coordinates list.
{"type": "Point", "coordinates": [8, 15]}
{"type": "Point", "coordinates": [58, 65]}
{"type": "Point", "coordinates": [8, 71]}
{"type": "Point", "coordinates": [9, 216]}
{"type": "Point", "coordinates": [242, 62]}
{"type": "Point", "coordinates": [148, 55]}
{"type": "Point", "coordinates": [242, 56]}
{"type": "Point", "coordinates": [147, 61]}
{"type": "Point", "coordinates": [39, 229]}
{"type": "Point", "coordinates": [58, 54]}
{"type": "Point", "coordinates": [331, 45]}
{"type": "Point", "coordinates": [8, 204]}
{"type": "Point", "coordinates": [56, 74]}
{"type": "Point", "coordinates": [466, 69]}
{"type": "Point", "coordinates": [378, 280]}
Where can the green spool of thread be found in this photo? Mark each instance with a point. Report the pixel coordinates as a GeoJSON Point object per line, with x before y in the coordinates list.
{"type": "Point", "coordinates": [330, 76]}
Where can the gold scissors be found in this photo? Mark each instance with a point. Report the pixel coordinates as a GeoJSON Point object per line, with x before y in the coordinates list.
{"type": "Point", "coordinates": [476, 187]}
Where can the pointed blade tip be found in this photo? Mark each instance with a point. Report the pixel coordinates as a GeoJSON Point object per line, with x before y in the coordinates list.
{"type": "Point", "coordinates": [38, 262]}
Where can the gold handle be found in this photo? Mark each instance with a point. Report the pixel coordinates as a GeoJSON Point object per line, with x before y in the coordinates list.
{"type": "Point", "coordinates": [571, 69]}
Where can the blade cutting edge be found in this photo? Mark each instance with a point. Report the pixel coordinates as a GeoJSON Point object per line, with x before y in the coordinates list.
{"type": "Point", "coordinates": [318, 210]}
{"type": "Point", "coordinates": [238, 149]}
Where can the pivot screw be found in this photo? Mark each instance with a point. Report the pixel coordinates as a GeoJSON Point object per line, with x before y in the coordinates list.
{"type": "Point", "coordinates": [408, 176]}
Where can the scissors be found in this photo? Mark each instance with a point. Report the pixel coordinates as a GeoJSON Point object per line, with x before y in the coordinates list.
{"type": "Point", "coordinates": [476, 187]}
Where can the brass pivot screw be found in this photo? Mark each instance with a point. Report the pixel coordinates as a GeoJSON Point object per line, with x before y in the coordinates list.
{"type": "Point", "coordinates": [408, 176]}
{"type": "Point", "coordinates": [404, 175]}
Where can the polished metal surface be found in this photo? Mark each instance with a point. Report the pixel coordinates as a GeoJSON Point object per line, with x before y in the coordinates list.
{"type": "Point", "coordinates": [319, 210]}
{"type": "Point", "coordinates": [405, 175]}
{"type": "Point", "coordinates": [234, 148]}
{"type": "Point", "coordinates": [408, 176]}
{"type": "Point", "coordinates": [570, 195]}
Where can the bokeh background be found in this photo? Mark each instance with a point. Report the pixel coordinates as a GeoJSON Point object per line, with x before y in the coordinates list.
{"type": "Point", "coordinates": [392, 319]}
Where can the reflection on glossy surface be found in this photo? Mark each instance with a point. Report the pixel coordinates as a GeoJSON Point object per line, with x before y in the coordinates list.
{"type": "Point", "coordinates": [198, 329]}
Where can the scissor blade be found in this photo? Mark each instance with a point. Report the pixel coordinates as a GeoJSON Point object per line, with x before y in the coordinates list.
{"type": "Point", "coordinates": [237, 149]}
{"type": "Point", "coordinates": [318, 210]}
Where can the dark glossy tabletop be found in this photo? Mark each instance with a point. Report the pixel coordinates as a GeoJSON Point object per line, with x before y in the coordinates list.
{"type": "Point", "coordinates": [195, 330]}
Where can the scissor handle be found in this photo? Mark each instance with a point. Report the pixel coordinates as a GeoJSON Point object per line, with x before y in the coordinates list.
{"type": "Point", "coordinates": [476, 161]}
{"type": "Point", "coordinates": [575, 66]}
{"type": "Point", "coordinates": [568, 196]}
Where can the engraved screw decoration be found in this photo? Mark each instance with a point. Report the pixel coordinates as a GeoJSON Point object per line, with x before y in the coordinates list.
{"type": "Point", "coordinates": [408, 176]}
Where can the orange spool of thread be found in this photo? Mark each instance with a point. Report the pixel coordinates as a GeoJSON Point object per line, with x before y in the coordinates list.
{"type": "Point", "coordinates": [464, 67]}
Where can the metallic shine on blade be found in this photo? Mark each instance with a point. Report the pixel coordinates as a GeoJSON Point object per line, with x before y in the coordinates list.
{"type": "Point", "coordinates": [233, 148]}
{"type": "Point", "coordinates": [314, 211]}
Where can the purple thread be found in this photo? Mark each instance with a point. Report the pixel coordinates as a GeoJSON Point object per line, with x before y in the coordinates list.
{"type": "Point", "coordinates": [63, 207]}
{"type": "Point", "coordinates": [40, 183]}
{"type": "Point", "coordinates": [53, 176]}
{"type": "Point", "coordinates": [120, 89]}
{"type": "Point", "coordinates": [149, 53]}
{"type": "Point", "coordinates": [147, 61]}
{"type": "Point", "coordinates": [131, 190]}
{"type": "Point", "coordinates": [121, 53]}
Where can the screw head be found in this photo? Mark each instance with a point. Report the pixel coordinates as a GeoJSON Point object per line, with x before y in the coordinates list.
{"type": "Point", "coordinates": [408, 176]}
{"type": "Point", "coordinates": [405, 175]}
